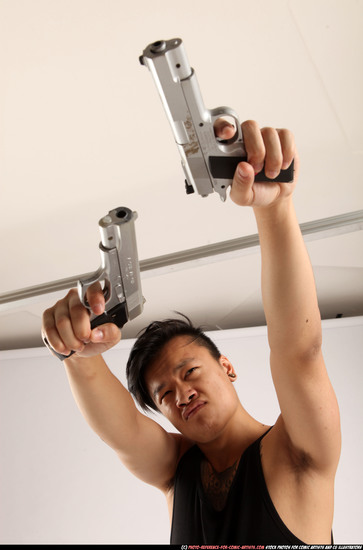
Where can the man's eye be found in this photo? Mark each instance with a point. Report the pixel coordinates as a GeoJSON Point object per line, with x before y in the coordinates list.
{"type": "Point", "coordinates": [163, 396]}
{"type": "Point", "coordinates": [189, 371]}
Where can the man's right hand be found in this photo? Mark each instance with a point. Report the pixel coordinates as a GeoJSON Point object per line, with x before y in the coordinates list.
{"type": "Point", "coordinates": [67, 325]}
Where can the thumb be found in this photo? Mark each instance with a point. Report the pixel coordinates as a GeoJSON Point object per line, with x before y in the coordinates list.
{"type": "Point", "coordinates": [109, 333]}
{"type": "Point", "coordinates": [241, 191]}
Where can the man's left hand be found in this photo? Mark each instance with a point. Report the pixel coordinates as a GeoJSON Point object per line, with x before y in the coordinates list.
{"type": "Point", "coordinates": [268, 148]}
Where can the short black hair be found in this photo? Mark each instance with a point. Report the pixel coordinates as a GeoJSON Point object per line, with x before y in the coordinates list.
{"type": "Point", "coordinates": [148, 346]}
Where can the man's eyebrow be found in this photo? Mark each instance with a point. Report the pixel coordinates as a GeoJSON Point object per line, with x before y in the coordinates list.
{"type": "Point", "coordinates": [176, 368]}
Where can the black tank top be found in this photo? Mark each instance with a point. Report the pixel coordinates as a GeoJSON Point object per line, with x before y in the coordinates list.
{"type": "Point", "coordinates": [249, 516]}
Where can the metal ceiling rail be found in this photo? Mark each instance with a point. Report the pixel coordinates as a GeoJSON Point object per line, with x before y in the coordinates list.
{"type": "Point", "coordinates": [318, 229]}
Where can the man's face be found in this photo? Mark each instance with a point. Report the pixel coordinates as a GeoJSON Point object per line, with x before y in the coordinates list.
{"type": "Point", "coordinates": [192, 389]}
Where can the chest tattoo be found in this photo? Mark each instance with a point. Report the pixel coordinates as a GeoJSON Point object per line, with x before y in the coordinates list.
{"type": "Point", "coordinates": [216, 485]}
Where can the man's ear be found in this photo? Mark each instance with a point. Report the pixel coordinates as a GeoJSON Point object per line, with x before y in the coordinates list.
{"type": "Point", "coordinates": [227, 367]}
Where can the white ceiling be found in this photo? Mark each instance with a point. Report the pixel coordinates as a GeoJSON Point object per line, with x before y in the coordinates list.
{"type": "Point", "coordinates": [83, 131]}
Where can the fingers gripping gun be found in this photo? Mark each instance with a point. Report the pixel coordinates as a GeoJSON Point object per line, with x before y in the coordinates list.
{"type": "Point", "coordinates": [119, 272]}
{"type": "Point", "coordinates": [209, 163]}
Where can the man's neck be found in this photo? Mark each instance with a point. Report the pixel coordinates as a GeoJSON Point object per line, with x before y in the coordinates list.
{"type": "Point", "coordinates": [228, 446]}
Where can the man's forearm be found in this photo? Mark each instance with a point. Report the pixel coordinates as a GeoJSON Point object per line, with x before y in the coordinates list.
{"type": "Point", "coordinates": [104, 402]}
{"type": "Point", "coordinates": [288, 286]}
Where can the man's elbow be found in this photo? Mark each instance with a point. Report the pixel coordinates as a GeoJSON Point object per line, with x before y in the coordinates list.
{"type": "Point", "coordinates": [305, 346]}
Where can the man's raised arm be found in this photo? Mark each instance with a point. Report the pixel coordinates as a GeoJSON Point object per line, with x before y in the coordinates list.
{"type": "Point", "coordinates": [308, 404]}
{"type": "Point", "coordinates": [104, 402]}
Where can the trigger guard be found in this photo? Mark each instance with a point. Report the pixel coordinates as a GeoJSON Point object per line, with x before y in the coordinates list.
{"type": "Point", "coordinates": [83, 286]}
{"type": "Point", "coordinates": [222, 112]}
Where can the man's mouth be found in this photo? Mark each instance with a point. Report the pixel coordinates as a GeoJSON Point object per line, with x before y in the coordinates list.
{"type": "Point", "coordinates": [192, 409]}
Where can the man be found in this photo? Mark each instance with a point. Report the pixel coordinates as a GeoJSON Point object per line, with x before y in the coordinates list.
{"type": "Point", "coordinates": [227, 478]}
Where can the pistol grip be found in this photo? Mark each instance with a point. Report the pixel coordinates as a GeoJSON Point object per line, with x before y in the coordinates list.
{"type": "Point", "coordinates": [225, 167]}
{"type": "Point", "coordinates": [116, 315]}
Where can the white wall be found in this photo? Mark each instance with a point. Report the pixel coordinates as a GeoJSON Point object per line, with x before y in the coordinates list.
{"type": "Point", "coordinates": [61, 484]}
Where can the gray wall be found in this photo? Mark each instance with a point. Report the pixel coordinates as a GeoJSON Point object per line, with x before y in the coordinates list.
{"type": "Point", "coordinates": [61, 484]}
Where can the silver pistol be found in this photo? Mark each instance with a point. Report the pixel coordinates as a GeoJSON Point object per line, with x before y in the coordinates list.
{"type": "Point", "coordinates": [119, 271]}
{"type": "Point", "coordinates": [118, 274]}
{"type": "Point", "coordinates": [208, 162]}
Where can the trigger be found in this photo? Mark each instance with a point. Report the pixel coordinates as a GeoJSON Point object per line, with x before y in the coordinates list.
{"type": "Point", "coordinates": [107, 291]}
{"type": "Point", "coordinates": [226, 123]}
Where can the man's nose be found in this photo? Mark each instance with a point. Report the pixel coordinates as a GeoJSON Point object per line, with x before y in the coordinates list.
{"type": "Point", "coordinates": [185, 396]}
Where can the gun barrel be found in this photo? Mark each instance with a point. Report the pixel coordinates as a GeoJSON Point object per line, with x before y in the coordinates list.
{"type": "Point", "coordinates": [168, 64]}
